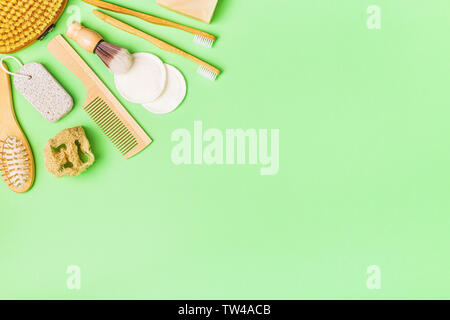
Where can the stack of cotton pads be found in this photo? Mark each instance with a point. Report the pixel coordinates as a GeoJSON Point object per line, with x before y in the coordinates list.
{"type": "Point", "coordinates": [159, 87]}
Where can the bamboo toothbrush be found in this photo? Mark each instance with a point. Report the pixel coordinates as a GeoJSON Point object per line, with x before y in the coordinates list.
{"type": "Point", "coordinates": [205, 69]}
{"type": "Point", "coordinates": [16, 157]}
{"type": "Point", "coordinates": [117, 59]}
{"type": "Point", "coordinates": [200, 37]}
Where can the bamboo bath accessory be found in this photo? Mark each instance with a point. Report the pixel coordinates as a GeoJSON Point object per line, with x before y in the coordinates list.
{"type": "Point", "coordinates": [200, 37]}
{"type": "Point", "coordinates": [205, 69]}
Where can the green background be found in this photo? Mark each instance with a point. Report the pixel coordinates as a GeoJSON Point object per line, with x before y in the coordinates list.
{"type": "Point", "coordinates": [364, 164]}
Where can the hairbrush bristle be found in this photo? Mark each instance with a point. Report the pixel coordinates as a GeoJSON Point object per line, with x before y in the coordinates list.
{"type": "Point", "coordinates": [14, 162]}
{"type": "Point", "coordinates": [117, 59]}
{"type": "Point", "coordinates": [23, 22]}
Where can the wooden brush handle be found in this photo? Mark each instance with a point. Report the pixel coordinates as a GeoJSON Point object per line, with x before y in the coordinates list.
{"type": "Point", "coordinates": [7, 117]}
{"type": "Point", "coordinates": [147, 17]}
{"type": "Point", "coordinates": [157, 42]}
{"type": "Point", "coordinates": [88, 39]}
{"type": "Point", "coordinates": [9, 126]}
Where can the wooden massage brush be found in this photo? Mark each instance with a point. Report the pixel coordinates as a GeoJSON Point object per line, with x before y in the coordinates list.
{"type": "Point", "coordinates": [22, 22]}
{"type": "Point", "coordinates": [16, 157]}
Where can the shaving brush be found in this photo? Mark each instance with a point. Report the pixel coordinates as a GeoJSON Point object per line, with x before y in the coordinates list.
{"type": "Point", "coordinates": [117, 59]}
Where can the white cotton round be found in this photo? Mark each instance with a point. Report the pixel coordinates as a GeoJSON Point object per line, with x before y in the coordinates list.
{"type": "Point", "coordinates": [172, 96]}
{"type": "Point", "coordinates": [145, 81]}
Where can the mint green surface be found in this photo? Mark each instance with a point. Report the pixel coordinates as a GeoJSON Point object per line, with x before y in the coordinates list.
{"type": "Point", "coordinates": [364, 173]}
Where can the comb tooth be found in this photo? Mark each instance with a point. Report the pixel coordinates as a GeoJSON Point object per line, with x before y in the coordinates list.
{"type": "Point", "coordinates": [130, 147]}
{"type": "Point", "coordinates": [111, 125]}
{"type": "Point", "coordinates": [116, 133]}
{"type": "Point", "coordinates": [107, 127]}
{"type": "Point", "coordinates": [104, 120]}
{"type": "Point", "coordinates": [125, 141]}
{"type": "Point", "coordinates": [117, 139]}
{"type": "Point", "coordinates": [115, 129]}
{"type": "Point", "coordinates": [100, 111]}
{"type": "Point", "coordinates": [111, 122]}
{"type": "Point", "coordinates": [93, 107]}
{"type": "Point", "coordinates": [105, 117]}
{"type": "Point", "coordinates": [129, 141]}
{"type": "Point", "coordinates": [91, 103]}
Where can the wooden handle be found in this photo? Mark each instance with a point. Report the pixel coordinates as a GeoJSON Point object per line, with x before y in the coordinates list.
{"type": "Point", "coordinates": [88, 39]}
{"type": "Point", "coordinates": [7, 116]}
{"type": "Point", "coordinates": [9, 126]}
{"type": "Point", "coordinates": [157, 42]}
{"type": "Point", "coordinates": [149, 18]}
{"type": "Point", "coordinates": [62, 50]}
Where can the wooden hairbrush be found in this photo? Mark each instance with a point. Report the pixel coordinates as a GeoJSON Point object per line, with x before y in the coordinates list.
{"type": "Point", "coordinates": [16, 157]}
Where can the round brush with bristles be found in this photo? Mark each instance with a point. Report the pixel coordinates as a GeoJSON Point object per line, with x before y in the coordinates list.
{"type": "Point", "coordinates": [16, 156]}
{"type": "Point", "coordinates": [117, 59]}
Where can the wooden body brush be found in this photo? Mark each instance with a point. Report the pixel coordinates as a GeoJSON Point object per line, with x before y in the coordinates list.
{"type": "Point", "coordinates": [205, 69]}
{"type": "Point", "coordinates": [16, 157]}
{"type": "Point", "coordinates": [22, 22]}
{"type": "Point", "coordinates": [117, 59]}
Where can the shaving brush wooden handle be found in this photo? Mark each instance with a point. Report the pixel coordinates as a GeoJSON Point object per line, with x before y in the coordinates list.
{"type": "Point", "coordinates": [117, 59]}
{"type": "Point", "coordinates": [88, 39]}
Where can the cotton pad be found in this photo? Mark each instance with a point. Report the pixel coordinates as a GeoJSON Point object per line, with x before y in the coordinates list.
{"type": "Point", "coordinates": [172, 96]}
{"type": "Point", "coordinates": [145, 81]}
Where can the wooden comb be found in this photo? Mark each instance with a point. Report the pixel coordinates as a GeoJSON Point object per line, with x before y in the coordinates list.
{"type": "Point", "coordinates": [101, 105]}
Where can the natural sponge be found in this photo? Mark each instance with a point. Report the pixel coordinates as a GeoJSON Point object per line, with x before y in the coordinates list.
{"type": "Point", "coordinates": [68, 153]}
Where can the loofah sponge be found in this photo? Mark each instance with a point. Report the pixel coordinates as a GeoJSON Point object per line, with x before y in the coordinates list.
{"type": "Point", "coordinates": [24, 21]}
{"type": "Point", "coordinates": [68, 153]}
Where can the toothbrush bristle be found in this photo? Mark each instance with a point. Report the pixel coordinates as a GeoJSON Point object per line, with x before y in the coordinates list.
{"type": "Point", "coordinates": [207, 73]}
{"type": "Point", "coordinates": [203, 41]}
